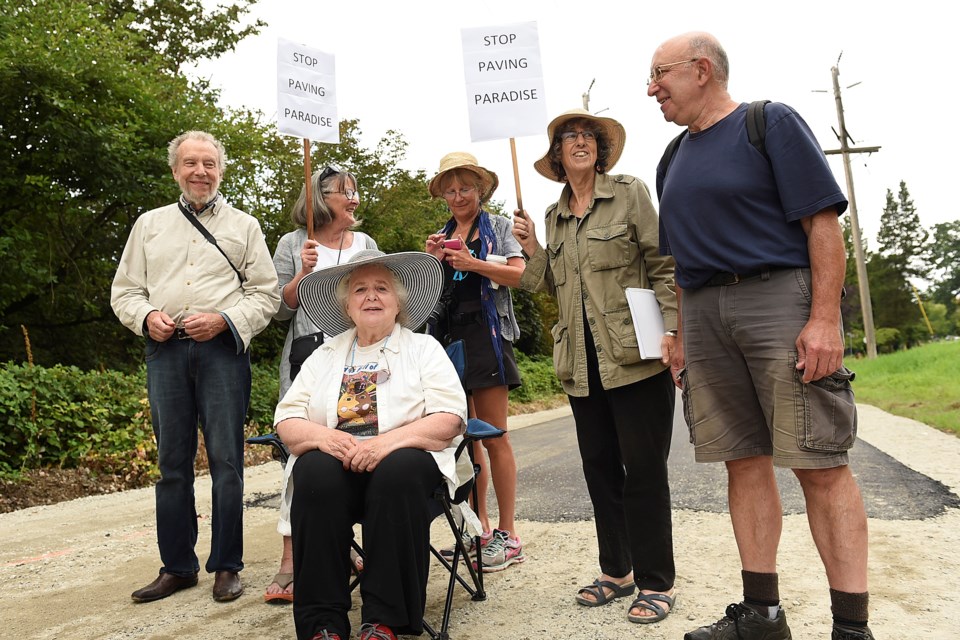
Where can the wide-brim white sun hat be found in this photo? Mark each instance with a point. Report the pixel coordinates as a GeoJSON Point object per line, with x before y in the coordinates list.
{"type": "Point", "coordinates": [420, 273]}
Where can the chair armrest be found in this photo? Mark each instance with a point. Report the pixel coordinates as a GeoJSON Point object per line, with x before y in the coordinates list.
{"type": "Point", "coordinates": [280, 451]}
{"type": "Point", "coordinates": [477, 429]}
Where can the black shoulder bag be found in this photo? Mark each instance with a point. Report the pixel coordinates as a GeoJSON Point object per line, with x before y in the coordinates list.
{"type": "Point", "coordinates": [301, 348]}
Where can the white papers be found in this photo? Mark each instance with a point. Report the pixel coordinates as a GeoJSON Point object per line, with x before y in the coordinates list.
{"type": "Point", "coordinates": [647, 321]}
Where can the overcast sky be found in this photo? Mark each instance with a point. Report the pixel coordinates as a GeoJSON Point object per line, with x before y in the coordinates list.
{"type": "Point", "coordinates": [399, 66]}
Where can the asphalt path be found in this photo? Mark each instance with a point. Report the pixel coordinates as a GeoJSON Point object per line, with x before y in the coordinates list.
{"type": "Point", "coordinates": [551, 486]}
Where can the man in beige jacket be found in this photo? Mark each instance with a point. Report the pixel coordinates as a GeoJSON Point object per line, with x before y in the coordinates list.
{"type": "Point", "coordinates": [197, 281]}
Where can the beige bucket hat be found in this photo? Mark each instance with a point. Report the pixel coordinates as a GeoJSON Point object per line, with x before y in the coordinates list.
{"type": "Point", "coordinates": [612, 130]}
{"type": "Point", "coordinates": [464, 160]}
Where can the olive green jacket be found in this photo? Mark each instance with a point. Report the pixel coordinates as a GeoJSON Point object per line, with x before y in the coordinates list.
{"type": "Point", "coordinates": [587, 265]}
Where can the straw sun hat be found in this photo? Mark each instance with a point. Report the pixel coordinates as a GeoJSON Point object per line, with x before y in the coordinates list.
{"type": "Point", "coordinates": [612, 130]}
{"type": "Point", "coordinates": [420, 273]}
{"type": "Point", "coordinates": [464, 160]}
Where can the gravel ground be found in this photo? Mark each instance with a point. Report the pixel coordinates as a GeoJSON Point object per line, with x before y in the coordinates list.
{"type": "Point", "coordinates": [67, 570]}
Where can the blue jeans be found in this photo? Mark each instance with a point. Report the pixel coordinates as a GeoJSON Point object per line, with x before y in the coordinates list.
{"type": "Point", "coordinates": [208, 383]}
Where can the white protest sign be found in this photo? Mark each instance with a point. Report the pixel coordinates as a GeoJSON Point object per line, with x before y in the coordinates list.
{"type": "Point", "coordinates": [504, 80]}
{"type": "Point", "coordinates": [306, 93]}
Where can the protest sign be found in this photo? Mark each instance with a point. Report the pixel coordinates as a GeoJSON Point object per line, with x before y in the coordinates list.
{"type": "Point", "coordinates": [306, 93]}
{"type": "Point", "coordinates": [504, 81]}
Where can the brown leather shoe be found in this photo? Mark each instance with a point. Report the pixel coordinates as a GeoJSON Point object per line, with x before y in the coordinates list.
{"type": "Point", "coordinates": [227, 586]}
{"type": "Point", "coordinates": [165, 585]}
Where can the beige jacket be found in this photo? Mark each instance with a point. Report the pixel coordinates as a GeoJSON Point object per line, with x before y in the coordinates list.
{"type": "Point", "coordinates": [587, 264]}
{"type": "Point", "coordinates": [168, 265]}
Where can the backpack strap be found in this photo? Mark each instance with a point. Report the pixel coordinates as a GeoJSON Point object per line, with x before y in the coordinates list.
{"type": "Point", "coordinates": [666, 159]}
{"type": "Point", "coordinates": [757, 126]}
{"type": "Point", "coordinates": [756, 134]}
{"type": "Point", "coordinates": [671, 150]}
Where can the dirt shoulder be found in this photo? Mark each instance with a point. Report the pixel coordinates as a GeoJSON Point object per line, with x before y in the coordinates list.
{"type": "Point", "coordinates": [66, 570]}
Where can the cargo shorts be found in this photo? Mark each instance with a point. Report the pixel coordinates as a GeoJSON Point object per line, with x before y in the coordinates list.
{"type": "Point", "coordinates": [742, 395]}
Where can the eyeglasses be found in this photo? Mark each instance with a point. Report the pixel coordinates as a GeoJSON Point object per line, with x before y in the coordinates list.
{"type": "Point", "coordinates": [657, 74]}
{"type": "Point", "coordinates": [463, 192]}
{"type": "Point", "coordinates": [349, 194]}
{"type": "Point", "coordinates": [569, 137]}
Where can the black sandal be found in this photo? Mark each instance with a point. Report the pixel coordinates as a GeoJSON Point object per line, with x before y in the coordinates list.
{"type": "Point", "coordinates": [651, 602]}
{"type": "Point", "coordinates": [601, 598]}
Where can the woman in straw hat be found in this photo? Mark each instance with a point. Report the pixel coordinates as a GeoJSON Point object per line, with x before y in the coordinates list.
{"type": "Point", "coordinates": [602, 236]}
{"type": "Point", "coordinates": [372, 421]}
{"type": "Point", "coordinates": [335, 200]}
{"type": "Point", "coordinates": [481, 260]}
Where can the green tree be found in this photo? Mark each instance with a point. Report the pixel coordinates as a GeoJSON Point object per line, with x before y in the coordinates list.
{"type": "Point", "coordinates": [85, 108]}
{"type": "Point", "coordinates": [93, 92]}
{"type": "Point", "coordinates": [182, 31]}
{"type": "Point", "coordinates": [945, 258]}
{"type": "Point", "coordinates": [902, 255]}
{"type": "Point", "coordinates": [892, 298]}
{"type": "Point", "coordinates": [902, 239]}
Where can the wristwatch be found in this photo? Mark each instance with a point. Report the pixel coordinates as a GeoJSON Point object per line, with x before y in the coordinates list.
{"type": "Point", "coordinates": [672, 333]}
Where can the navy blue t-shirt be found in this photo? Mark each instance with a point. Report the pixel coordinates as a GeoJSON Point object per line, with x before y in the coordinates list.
{"type": "Point", "coordinates": [724, 207]}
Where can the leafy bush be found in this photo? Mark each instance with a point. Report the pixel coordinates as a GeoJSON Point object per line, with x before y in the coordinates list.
{"type": "Point", "coordinates": [100, 420]}
{"type": "Point", "coordinates": [539, 379]}
{"type": "Point", "coordinates": [62, 416]}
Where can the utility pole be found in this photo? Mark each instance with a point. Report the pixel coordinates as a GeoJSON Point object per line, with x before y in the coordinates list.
{"type": "Point", "coordinates": [866, 306]}
{"type": "Point", "coordinates": [586, 96]}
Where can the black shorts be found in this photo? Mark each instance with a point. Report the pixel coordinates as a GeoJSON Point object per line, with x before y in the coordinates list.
{"type": "Point", "coordinates": [482, 370]}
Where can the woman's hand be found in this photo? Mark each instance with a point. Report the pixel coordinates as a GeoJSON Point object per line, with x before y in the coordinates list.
{"type": "Point", "coordinates": [308, 256]}
{"type": "Point", "coordinates": [460, 259]}
{"type": "Point", "coordinates": [525, 233]}
{"type": "Point", "coordinates": [339, 444]}
{"type": "Point", "coordinates": [368, 453]}
{"type": "Point", "coordinates": [434, 245]}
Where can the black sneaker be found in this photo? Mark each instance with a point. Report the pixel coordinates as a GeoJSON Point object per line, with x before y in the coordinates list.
{"type": "Point", "coordinates": [740, 622]}
{"type": "Point", "coordinates": [841, 632]}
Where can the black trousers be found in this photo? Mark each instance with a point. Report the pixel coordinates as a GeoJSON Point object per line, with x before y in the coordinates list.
{"type": "Point", "coordinates": [394, 504]}
{"type": "Point", "coordinates": [624, 436]}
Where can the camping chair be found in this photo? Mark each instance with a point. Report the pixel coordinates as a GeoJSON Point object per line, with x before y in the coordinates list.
{"type": "Point", "coordinates": [476, 430]}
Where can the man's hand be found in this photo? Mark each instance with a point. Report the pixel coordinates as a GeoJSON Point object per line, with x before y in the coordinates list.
{"type": "Point", "coordinates": [677, 362]}
{"type": "Point", "coordinates": [819, 350]}
{"type": "Point", "coordinates": [204, 326]}
{"type": "Point", "coordinates": [160, 326]}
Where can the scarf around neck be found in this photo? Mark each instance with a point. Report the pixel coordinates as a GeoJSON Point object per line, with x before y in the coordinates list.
{"type": "Point", "coordinates": [488, 243]}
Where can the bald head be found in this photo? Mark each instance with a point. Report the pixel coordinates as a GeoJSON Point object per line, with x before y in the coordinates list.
{"type": "Point", "coordinates": [700, 44]}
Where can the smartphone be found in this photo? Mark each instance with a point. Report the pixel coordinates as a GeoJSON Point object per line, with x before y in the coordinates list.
{"type": "Point", "coordinates": [453, 244]}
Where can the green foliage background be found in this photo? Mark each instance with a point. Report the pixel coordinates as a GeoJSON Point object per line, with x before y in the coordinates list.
{"type": "Point", "coordinates": [93, 90]}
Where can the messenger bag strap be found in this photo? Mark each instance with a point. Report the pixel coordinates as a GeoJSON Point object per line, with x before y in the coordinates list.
{"type": "Point", "coordinates": [206, 234]}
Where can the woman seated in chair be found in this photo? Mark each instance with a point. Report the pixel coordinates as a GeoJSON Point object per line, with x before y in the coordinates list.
{"type": "Point", "coordinates": [372, 421]}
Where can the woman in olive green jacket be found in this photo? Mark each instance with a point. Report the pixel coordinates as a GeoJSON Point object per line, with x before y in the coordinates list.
{"type": "Point", "coordinates": [602, 236]}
